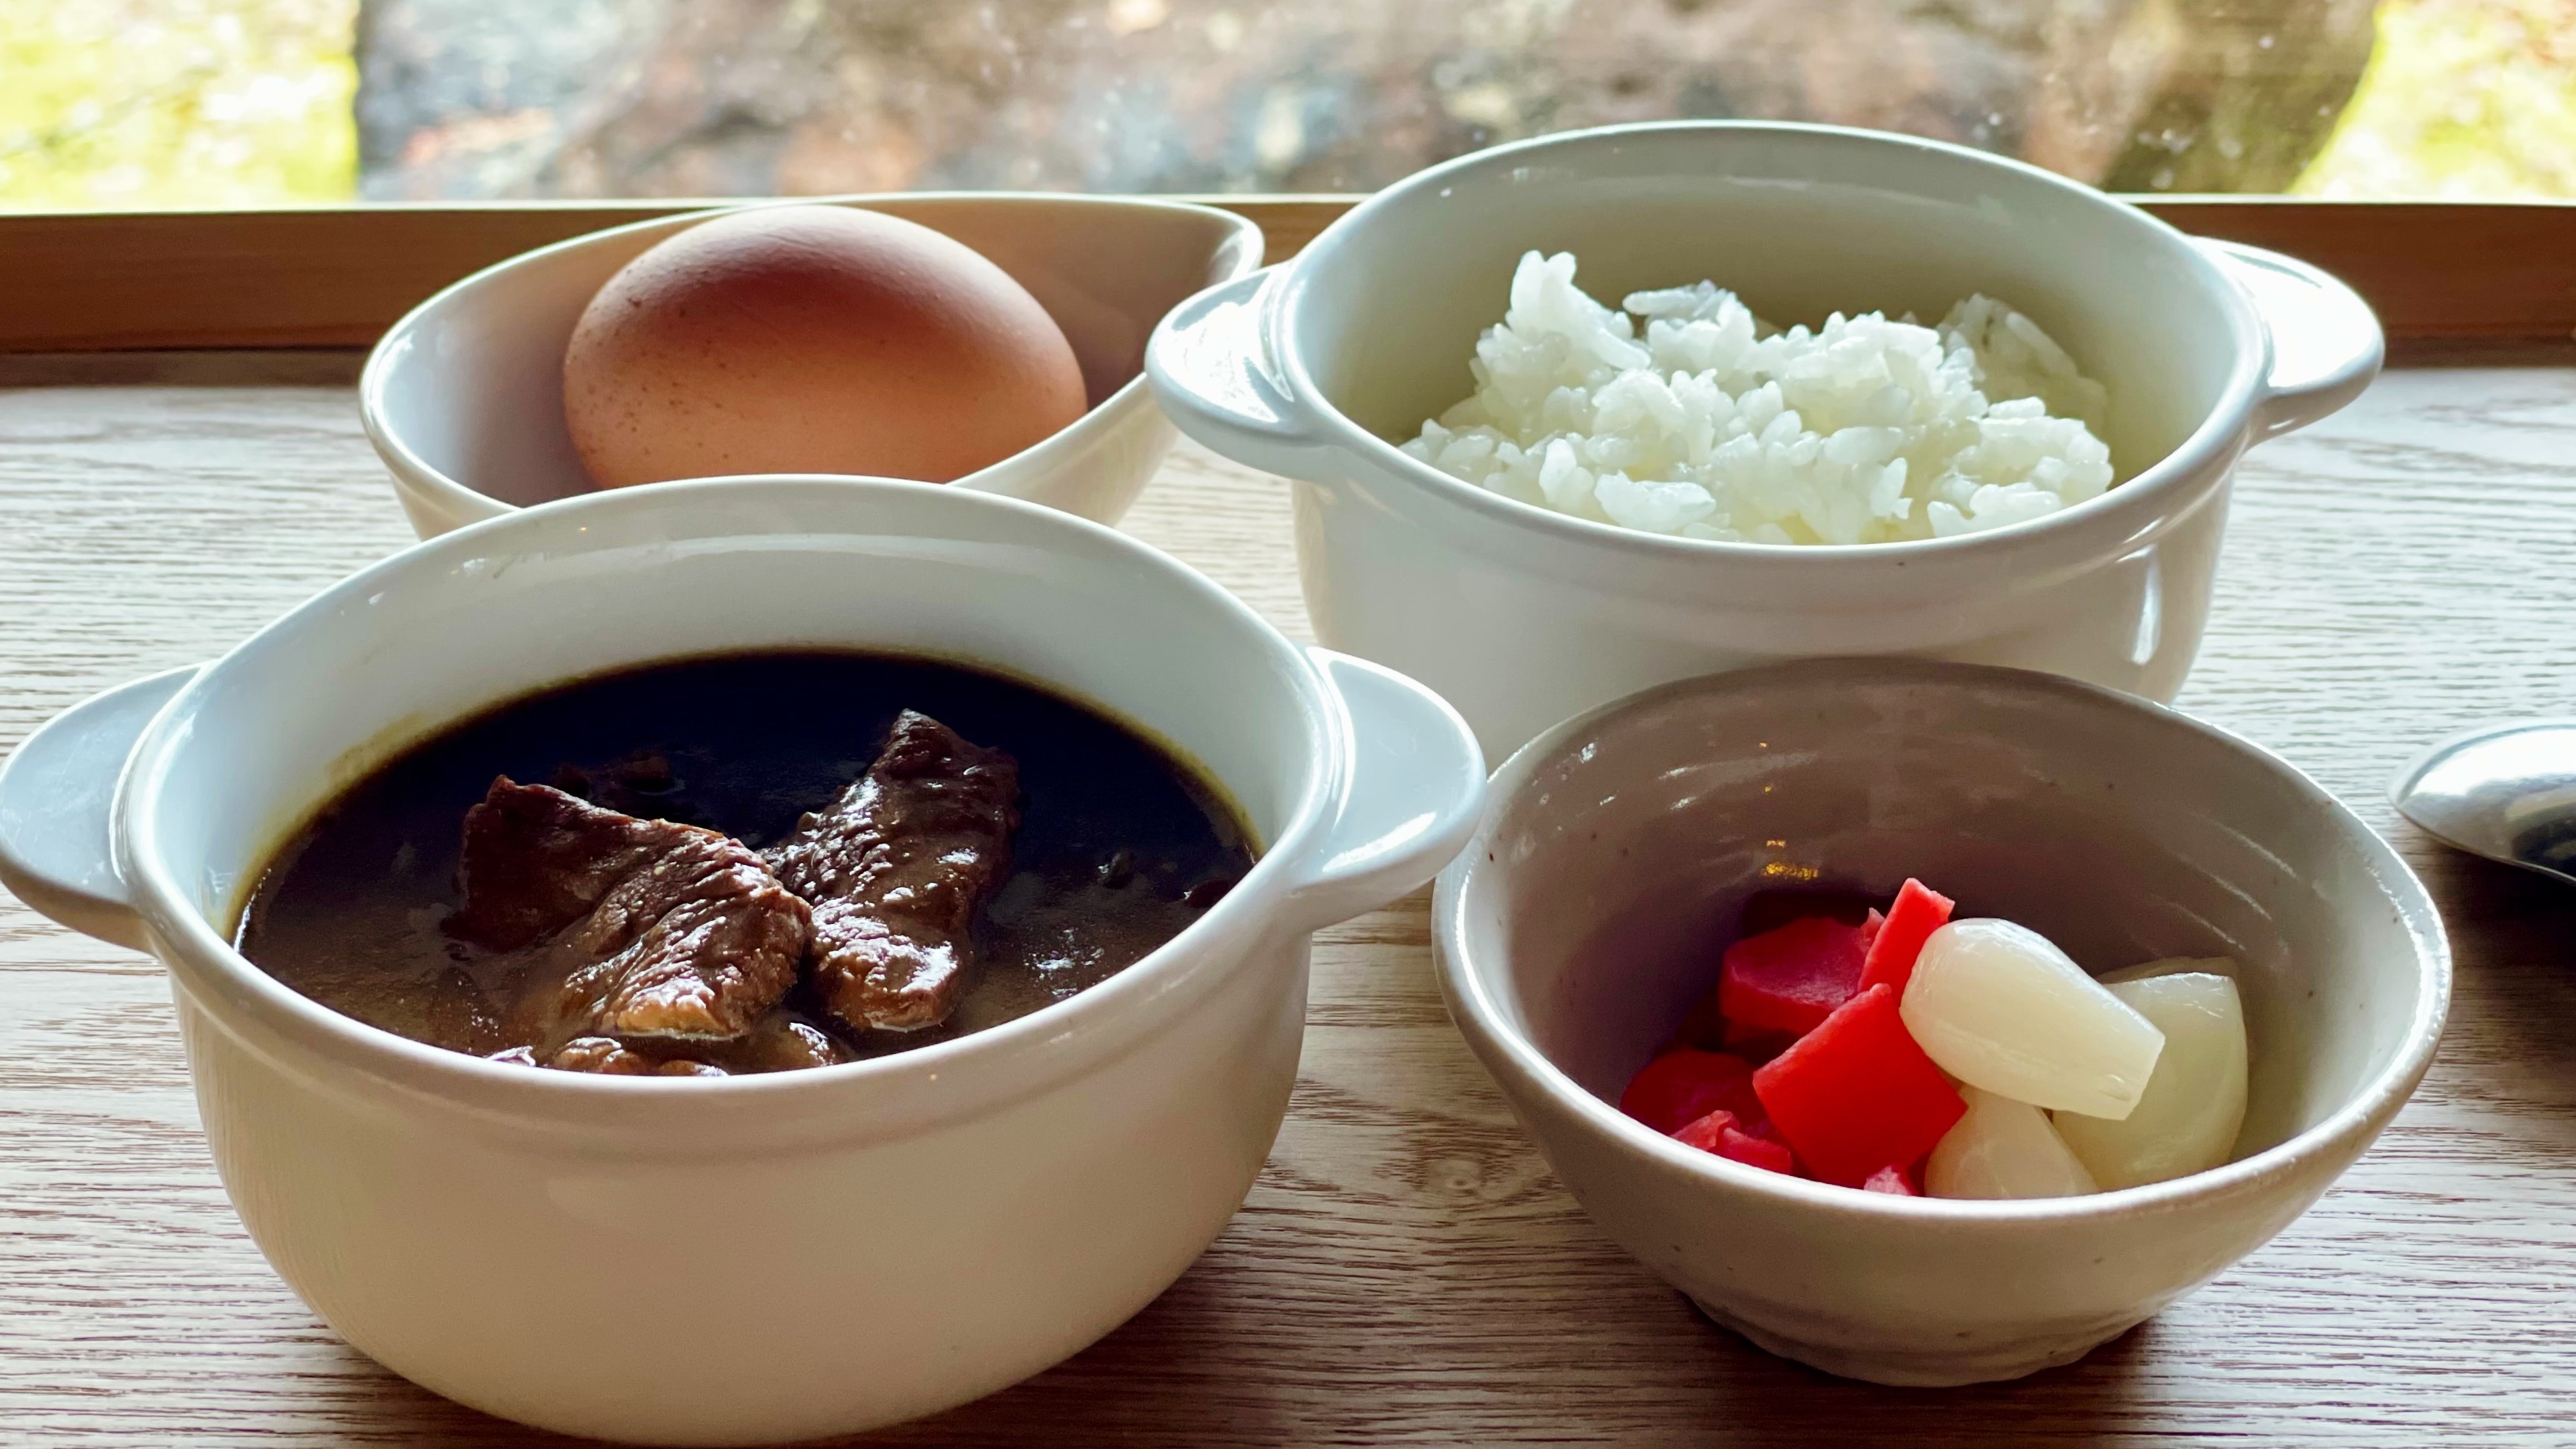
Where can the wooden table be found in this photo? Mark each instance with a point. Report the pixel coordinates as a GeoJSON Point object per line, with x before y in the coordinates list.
{"type": "Point", "coordinates": [1406, 1270]}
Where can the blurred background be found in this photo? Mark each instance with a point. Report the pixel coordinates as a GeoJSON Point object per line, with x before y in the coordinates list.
{"type": "Point", "coordinates": [250, 103]}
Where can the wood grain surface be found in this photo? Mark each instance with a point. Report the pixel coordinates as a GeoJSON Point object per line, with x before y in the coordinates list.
{"type": "Point", "coordinates": [1406, 1271]}
{"type": "Point", "coordinates": [339, 276]}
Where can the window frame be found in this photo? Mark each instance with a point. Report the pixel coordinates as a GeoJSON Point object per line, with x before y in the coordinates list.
{"type": "Point", "coordinates": [2437, 272]}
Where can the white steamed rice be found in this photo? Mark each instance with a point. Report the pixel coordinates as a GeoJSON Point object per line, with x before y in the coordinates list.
{"type": "Point", "coordinates": [1717, 425]}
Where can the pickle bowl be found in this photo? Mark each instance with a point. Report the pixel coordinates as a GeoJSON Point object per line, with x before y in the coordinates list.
{"type": "Point", "coordinates": [1576, 929]}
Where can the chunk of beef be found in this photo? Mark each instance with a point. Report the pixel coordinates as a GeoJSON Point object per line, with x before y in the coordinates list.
{"type": "Point", "coordinates": [608, 1057]}
{"type": "Point", "coordinates": [894, 869]}
{"type": "Point", "coordinates": [611, 1058]}
{"type": "Point", "coordinates": [780, 1043]}
{"type": "Point", "coordinates": [682, 1067]}
{"type": "Point", "coordinates": [783, 1042]}
{"type": "Point", "coordinates": [605, 1056]}
{"type": "Point", "coordinates": [646, 928]}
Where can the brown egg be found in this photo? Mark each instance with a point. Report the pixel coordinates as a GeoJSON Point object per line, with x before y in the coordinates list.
{"type": "Point", "coordinates": [812, 339]}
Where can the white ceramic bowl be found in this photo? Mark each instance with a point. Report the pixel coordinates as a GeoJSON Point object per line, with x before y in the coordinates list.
{"type": "Point", "coordinates": [1588, 913]}
{"type": "Point", "coordinates": [1315, 369]}
{"type": "Point", "coordinates": [464, 397]}
{"type": "Point", "coordinates": [757, 1258]}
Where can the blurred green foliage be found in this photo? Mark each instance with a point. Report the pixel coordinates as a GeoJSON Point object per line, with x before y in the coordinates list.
{"type": "Point", "coordinates": [185, 103]}
{"type": "Point", "coordinates": [2464, 99]}
{"type": "Point", "coordinates": [176, 103]}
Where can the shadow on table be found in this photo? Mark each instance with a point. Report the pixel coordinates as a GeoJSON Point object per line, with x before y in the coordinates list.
{"type": "Point", "coordinates": [1705, 1385]}
{"type": "Point", "coordinates": [2513, 994]}
{"type": "Point", "coordinates": [1137, 1387]}
{"type": "Point", "coordinates": [2099, 1399]}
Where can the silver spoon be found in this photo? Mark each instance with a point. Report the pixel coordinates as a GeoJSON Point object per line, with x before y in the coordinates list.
{"type": "Point", "coordinates": [2507, 792]}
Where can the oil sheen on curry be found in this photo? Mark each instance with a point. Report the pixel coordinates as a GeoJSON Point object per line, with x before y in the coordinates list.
{"type": "Point", "coordinates": [745, 863]}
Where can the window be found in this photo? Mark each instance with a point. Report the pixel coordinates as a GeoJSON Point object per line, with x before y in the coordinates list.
{"type": "Point", "coordinates": [172, 103]}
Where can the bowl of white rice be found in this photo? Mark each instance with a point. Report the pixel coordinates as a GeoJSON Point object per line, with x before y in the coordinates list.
{"type": "Point", "coordinates": [1578, 416]}
{"type": "Point", "coordinates": [1680, 412]}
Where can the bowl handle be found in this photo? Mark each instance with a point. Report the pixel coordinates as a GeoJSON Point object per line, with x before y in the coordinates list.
{"type": "Point", "coordinates": [1212, 372]}
{"type": "Point", "coordinates": [1414, 791]}
{"type": "Point", "coordinates": [2326, 345]}
{"type": "Point", "coordinates": [56, 796]}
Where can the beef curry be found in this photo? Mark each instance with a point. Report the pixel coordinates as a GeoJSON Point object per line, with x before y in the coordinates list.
{"type": "Point", "coordinates": [743, 863]}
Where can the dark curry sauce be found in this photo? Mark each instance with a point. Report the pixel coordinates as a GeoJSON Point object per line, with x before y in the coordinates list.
{"type": "Point", "coordinates": [1119, 844]}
